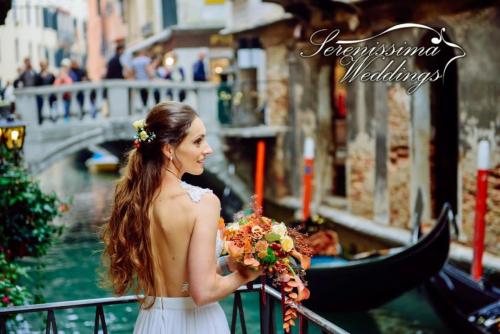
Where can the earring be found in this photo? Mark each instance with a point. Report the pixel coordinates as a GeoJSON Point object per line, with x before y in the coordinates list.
{"type": "Point", "coordinates": [171, 157]}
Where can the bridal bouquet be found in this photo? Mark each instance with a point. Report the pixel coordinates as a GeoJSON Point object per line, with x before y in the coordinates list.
{"type": "Point", "coordinates": [261, 242]}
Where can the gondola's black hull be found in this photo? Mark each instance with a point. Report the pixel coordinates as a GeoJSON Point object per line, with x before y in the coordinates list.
{"type": "Point", "coordinates": [366, 284]}
{"type": "Point", "coordinates": [455, 296]}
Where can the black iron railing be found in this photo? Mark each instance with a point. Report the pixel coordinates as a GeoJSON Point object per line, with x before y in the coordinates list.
{"type": "Point", "coordinates": [267, 313]}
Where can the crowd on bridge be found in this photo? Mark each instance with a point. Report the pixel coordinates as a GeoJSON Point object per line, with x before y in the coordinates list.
{"type": "Point", "coordinates": [140, 67]}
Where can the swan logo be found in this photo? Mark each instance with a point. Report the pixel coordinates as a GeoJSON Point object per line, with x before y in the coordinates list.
{"type": "Point", "coordinates": [359, 57]}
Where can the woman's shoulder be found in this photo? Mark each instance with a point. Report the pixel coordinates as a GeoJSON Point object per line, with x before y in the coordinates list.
{"type": "Point", "coordinates": [197, 194]}
{"type": "Point", "coordinates": [203, 198]}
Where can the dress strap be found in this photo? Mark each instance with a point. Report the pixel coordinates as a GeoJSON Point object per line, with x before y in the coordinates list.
{"type": "Point", "coordinates": [195, 193]}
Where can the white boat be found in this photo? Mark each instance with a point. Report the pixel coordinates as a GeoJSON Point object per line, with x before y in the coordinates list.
{"type": "Point", "coordinates": [102, 162]}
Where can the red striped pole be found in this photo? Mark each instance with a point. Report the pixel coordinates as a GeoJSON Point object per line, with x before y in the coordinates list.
{"type": "Point", "coordinates": [259, 172]}
{"type": "Point", "coordinates": [481, 208]}
{"type": "Point", "coordinates": [308, 174]}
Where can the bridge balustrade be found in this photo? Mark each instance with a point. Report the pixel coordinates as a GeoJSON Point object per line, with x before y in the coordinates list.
{"type": "Point", "coordinates": [110, 99]}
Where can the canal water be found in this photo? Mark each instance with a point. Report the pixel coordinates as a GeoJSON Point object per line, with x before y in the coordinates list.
{"type": "Point", "coordinates": [71, 266]}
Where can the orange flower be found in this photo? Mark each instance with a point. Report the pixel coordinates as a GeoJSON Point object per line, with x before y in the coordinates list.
{"type": "Point", "coordinates": [251, 261]}
{"type": "Point", "coordinates": [261, 246]}
{"type": "Point", "coordinates": [233, 250]}
{"type": "Point", "coordinates": [221, 224]}
{"type": "Point", "coordinates": [285, 277]}
{"type": "Point", "coordinates": [303, 292]}
{"type": "Point", "coordinates": [305, 261]}
{"type": "Point", "coordinates": [63, 207]}
{"type": "Point", "coordinates": [248, 247]}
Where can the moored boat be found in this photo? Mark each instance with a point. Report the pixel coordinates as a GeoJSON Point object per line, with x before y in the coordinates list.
{"type": "Point", "coordinates": [100, 162]}
{"type": "Point", "coordinates": [364, 284]}
{"type": "Point", "coordinates": [466, 305]}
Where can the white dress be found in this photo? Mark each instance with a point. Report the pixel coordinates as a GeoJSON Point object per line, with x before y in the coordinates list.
{"type": "Point", "coordinates": [180, 315]}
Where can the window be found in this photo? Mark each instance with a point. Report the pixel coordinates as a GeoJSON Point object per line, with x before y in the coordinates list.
{"type": "Point", "coordinates": [54, 20]}
{"type": "Point", "coordinates": [49, 19]}
{"type": "Point", "coordinates": [45, 14]}
{"type": "Point", "coordinates": [169, 11]}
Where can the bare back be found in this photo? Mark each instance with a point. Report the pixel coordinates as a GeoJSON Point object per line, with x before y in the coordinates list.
{"type": "Point", "coordinates": [173, 215]}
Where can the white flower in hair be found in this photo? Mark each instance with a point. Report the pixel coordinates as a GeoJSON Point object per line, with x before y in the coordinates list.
{"type": "Point", "coordinates": [143, 135]}
{"type": "Point", "coordinates": [140, 124]}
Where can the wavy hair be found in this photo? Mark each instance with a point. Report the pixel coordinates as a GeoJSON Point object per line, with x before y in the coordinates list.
{"type": "Point", "coordinates": [127, 251]}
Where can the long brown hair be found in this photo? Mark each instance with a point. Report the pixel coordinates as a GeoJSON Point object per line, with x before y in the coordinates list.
{"type": "Point", "coordinates": [127, 253]}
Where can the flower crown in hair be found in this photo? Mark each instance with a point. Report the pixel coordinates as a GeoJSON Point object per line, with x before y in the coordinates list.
{"type": "Point", "coordinates": [142, 135]}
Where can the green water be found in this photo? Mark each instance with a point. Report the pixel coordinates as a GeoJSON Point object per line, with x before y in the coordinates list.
{"type": "Point", "coordinates": [71, 264]}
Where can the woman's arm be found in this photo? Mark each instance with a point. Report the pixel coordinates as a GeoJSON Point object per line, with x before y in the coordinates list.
{"type": "Point", "coordinates": [205, 284]}
{"type": "Point", "coordinates": [225, 265]}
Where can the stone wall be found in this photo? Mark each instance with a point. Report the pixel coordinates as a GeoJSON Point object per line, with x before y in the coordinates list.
{"type": "Point", "coordinates": [277, 114]}
{"type": "Point", "coordinates": [277, 85]}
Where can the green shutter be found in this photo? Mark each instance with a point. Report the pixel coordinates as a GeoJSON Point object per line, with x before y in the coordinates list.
{"type": "Point", "coordinates": [169, 11]}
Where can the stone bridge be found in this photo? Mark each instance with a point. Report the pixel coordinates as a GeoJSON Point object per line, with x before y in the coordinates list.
{"type": "Point", "coordinates": [63, 120]}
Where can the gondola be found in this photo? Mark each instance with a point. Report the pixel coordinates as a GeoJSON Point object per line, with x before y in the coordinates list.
{"type": "Point", "coordinates": [364, 284]}
{"type": "Point", "coordinates": [466, 305]}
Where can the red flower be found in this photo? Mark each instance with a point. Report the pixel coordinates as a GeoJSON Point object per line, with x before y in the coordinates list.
{"type": "Point", "coordinates": [5, 300]}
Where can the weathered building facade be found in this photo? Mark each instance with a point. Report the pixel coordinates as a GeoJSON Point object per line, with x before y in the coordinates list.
{"type": "Point", "coordinates": [380, 143]}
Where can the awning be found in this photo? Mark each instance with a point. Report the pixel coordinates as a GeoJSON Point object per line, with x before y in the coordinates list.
{"type": "Point", "coordinates": [176, 31]}
{"type": "Point", "coordinates": [145, 43]}
{"type": "Point", "coordinates": [245, 27]}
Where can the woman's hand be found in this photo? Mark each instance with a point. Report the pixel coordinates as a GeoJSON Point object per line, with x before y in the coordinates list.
{"type": "Point", "coordinates": [249, 274]}
{"type": "Point", "coordinates": [231, 264]}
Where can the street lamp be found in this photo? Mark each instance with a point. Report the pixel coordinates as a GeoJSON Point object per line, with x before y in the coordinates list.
{"type": "Point", "coordinates": [12, 134]}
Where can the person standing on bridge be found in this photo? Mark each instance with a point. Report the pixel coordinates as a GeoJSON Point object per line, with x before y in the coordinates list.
{"type": "Point", "coordinates": [44, 78]}
{"type": "Point", "coordinates": [170, 258]}
{"type": "Point", "coordinates": [142, 70]}
{"type": "Point", "coordinates": [65, 79]}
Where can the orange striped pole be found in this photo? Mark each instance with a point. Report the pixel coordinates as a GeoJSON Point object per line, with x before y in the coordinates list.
{"type": "Point", "coordinates": [308, 175]}
{"type": "Point", "coordinates": [259, 172]}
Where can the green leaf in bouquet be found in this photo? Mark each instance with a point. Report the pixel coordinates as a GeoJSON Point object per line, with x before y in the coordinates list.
{"type": "Point", "coordinates": [270, 258]}
{"type": "Point", "coordinates": [271, 237]}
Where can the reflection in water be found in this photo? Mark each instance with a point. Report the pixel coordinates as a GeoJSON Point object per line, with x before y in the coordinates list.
{"type": "Point", "coordinates": [71, 265]}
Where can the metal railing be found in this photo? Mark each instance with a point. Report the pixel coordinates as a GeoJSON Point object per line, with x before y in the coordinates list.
{"type": "Point", "coordinates": [267, 313]}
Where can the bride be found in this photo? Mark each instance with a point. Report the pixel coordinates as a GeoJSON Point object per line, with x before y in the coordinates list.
{"type": "Point", "coordinates": [162, 238]}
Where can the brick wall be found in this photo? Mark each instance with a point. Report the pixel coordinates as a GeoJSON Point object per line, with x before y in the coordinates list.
{"type": "Point", "coordinates": [398, 175]}
{"type": "Point", "coordinates": [361, 174]}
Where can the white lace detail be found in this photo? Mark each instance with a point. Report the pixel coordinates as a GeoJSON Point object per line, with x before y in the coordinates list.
{"type": "Point", "coordinates": [195, 193]}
